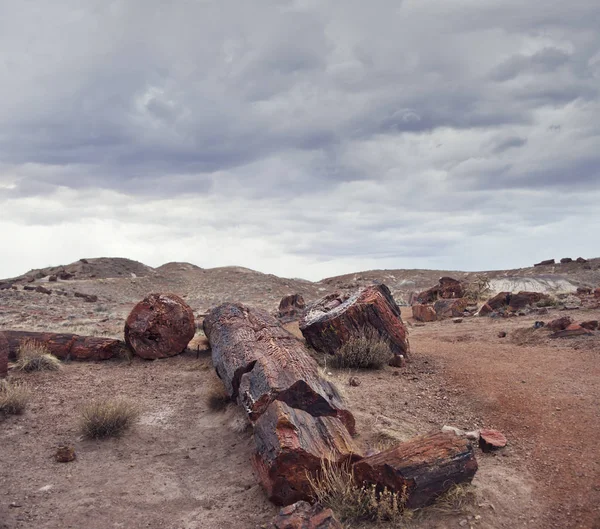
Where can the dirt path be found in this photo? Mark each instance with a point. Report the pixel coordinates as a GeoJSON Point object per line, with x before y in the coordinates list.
{"type": "Point", "coordinates": [544, 395]}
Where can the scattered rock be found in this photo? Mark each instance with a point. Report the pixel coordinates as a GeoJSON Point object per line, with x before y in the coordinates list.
{"type": "Point", "coordinates": [523, 299]}
{"type": "Point", "coordinates": [572, 330]}
{"type": "Point", "coordinates": [52, 279]}
{"type": "Point", "coordinates": [450, 308]}
{"type": "Point", "coordinates": [303, 515]}
{"type": "Point", "coordinates": [6, 286]}
{"type": "Point", "coordinates": [597, 293]}
{"type": "Point", "coordinates": [65, 276]}
{"type": "Point", "coordinates": [43, 290]}
{"type": "Point", "coordinates": [581, 260]}
{"type": "Point", "coordinates": [502, 334]}
{"type": "Point", "coordinates": [28, 287]}
{"type": "Point", "coordinates": [65, 454]}
{"type": "Point", "coordinates": [89, 298]}
{"type": "Point", "coordinates": [159, 326]}
{"type": "Point", "coordinates": [485, 310]}
{"type": "Point", "coordinates": [454, 430]}
{"type": "Point", "coordinates": [491, 440]}
{"type": "Point", "coordinates": [584, 291]}
{"type": "Point", "coordinates": [473, 435]}
{"type": "Point", "coordinates": [538, 324]}
{"type": "Point", "coordinates": [457, 320]}
{"type": "Point", "coordinates": [545, 263]}
{"type": "Point", "coordinates": [291, 307]}
{"type": "Point", "coordinates": [423, 312]}
{"type": "Point", "coordinates": [559, 324]}
{"type": "Point", "coordinates": [3, 355]}
{"type": "Point", "coordinates": [591, 325]}
{"type": "Point", "coordinates": [354, 381]}
{"type": "Point", "coordinates": [447, 288]}
{"type": "Point", "coordinates": [565, 260]}
{"type": "Point", "coordinates": [397, 361]}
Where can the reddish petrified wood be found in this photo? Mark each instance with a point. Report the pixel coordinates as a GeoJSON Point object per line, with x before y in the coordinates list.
{"type": "Point", "coordinates": [559, 324]}
{"type": "Point", "coordinates": [450, 308]}
{"type": "Point", "coordinates": [291, 444]}
{"type": "Point", "coordinates": [303, 515]}
{"type": "Point", "coordinates": [370, 308]}
{"type": "Point", "coordinates": [159, 326]}
{"type": "Point", "coordinates": [447, 288]}
{"type": "Point", "coordinates": [422, 468]}
{"type": "Point", "coordinates": [572, 330]}
{"type": "Point", "coordinates": [423, 312]}
{"type": "Point", "coordinates": [291, 307]}
{"type": "Point", "coordinates": [597, 293]}
{"type": "Point", "coordinates": [68, 346]}
{"type": "Point", "coordinates": [523, 299]}
{"type": "Point", "coordinates": [491, 440]}
{"type": "Point", "coordinates": [591, 325]}
{"type": "Point", "coordinates": [3, 355]}
{"type": "Point", "coordinates": [499, 301]}
{"type": "Point", "coordinates": [259, 362]}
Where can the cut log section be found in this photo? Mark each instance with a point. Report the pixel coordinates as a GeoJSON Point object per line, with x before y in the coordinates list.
{"type": "Point", "coordinates": [67, 346]}
{"type": "Point", "coordinates": [260, 362]}
{"type": "Point", "coordinates": [423, 468]}
{"type": "Point", "coordinates": [291, 445]}
{"type": "Point", "coordinates": [326, 330]}
{"type": "Point", "coordinates": [159, 326]}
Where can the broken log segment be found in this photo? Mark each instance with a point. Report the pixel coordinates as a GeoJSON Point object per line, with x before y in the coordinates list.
{"type": "Point", "coordinates": [260, 362]}
{"type": "Point", "coordinates": [303, 515]}
{"type": "Point", "coordinates": [292, 445]}
{"type": "Point", "coordinates": [370, 308]}
{"type": "Point", "coordinates": [422, 468]}
{"type": "Point", "coordinates": [159, 326]}
{"type": "Point", "coordinates": [67, 346]}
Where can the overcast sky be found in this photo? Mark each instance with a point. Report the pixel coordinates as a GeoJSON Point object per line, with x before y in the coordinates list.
{"type": "Point", "coordinates": [305, 138]}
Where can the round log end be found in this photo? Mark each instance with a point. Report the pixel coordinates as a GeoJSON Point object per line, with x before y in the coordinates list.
{"type": "Point", "coordinates": [159, 326]}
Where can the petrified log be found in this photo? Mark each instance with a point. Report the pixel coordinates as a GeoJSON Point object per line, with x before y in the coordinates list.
{"type": "Point", "coordinates": [572, 330]}
{"type": "Point", "coordinates": [559, 324]}
{"type": "Point", "coordinates": [90, 298]}
{"type": "Point", "coordinates": [159, 326]}
{"type": "Point", "coordinates": [3, 355]}
{"type": "Point", "coordinates": [524, 298]}
{"type": "Point", "coordinates": [303, 515]}
{"type": "Point", "coordinates": [545, 263]}
{"type": "Point", "coordinates": [260, 362]}
{"type": "Point", "coordinates": [67, 346]}
{"type": "Point", "coordinates": [372, 308]}
{"type": "Point", "coordinates": [291, 445]}
{"type": "Point", "coordinates": [291, 307]}
{"type": "Point", "coordinates": [423, 312]}
{"type": "Point", "coordinates": [450, 308]}
{"type": "Point", "coordinates": [421, 469]}
{"type": "Point", "coordinates": [566, 260]}
{"type": "Point", "coordinates": [447, 288]}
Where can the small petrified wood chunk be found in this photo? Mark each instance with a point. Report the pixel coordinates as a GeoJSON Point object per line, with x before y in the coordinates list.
{"type": "Point", "coordinates": [422, 468]}
{"type": "Point", "coordinates": [259, 362]}
{"type": "Point", "coordinates": [159, 326]}
{"type": "Point", "coordinates": [67, 346]}
{"type": "Point", "coordinates": [291, 445]}
{"type": "Point", "coordinates": [303, 515]}
{"type": "Point", "coordinates": [372, 308]}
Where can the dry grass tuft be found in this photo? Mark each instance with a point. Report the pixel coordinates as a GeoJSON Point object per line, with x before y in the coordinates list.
{"type": "Point", "coordinates": [240, 423]}
{"type": "Point", "coordinates": [34, 356]}
{"type": "Point", "coordinates": [108, 418]}
{"type": "Point", "coordinates": [217, 399]}
{"type": "Point", "coordinates": [336, 487]}
{"type": "Point", "coordinates": [457, 500]}
{"type": "Point", "coordinates": [13, 398]}
{"type": "Point", "coordinates": [368, 351]}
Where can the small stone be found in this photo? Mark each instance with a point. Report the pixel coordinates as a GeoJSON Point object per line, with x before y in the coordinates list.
{"type": "Point", "coordinates": [453, 429]}
{"type": "Point", "coordinates": [502, 334]}
{"type": "Point", "coordinates": [457, 320]}
{"type": "Point", "coordinates": [65, 454]}
{"type": "Point", "coordinates": [463, 522]}
{"type": "Point", "coordinates": [472, 435]}
{"type": "Point", "coordinates": [354, 381]}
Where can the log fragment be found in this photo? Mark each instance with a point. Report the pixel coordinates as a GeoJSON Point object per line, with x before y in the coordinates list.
{"type": "Point", "coordinates": [370, 308]}
{"type": "Point", "coordinates": [291, 307]}
{"type": "Point", "coordinates": [260, 362]}
{"type": "Point", "coordinates": [422, 468]}
{"type": "Point", "coordinates": [303, 515]}
{"type": "Point", "coordinates": [67, 346]}
{"type": "Point", "coordinates": [159, 326]}
{"type": "Point", "coordinates": [291, 445]}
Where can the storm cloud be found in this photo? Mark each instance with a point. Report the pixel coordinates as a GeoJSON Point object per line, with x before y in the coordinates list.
{"type": "Point", "coordinates": [299, 137]}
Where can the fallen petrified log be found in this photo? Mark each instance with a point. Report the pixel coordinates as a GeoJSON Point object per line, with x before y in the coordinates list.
{"type": "Point", "coordinates": [159, 326]}
{"type": "Point", "coordinates": [572, 330]}
{"type": "Point", "coordinates": [303, 515]}
{"type": "Point", "coordinates": [3, 355]}
{"type": "Point", "coordinates": [450, 308]}
{"type": "Point", "coordinates": [372, 308]}
{"type": "Point", "coordinates": [421, 469]}
{"type": "Point", "coordinates": [291, 307]}
{"type": "Point", "coordinates": [292, 445]}
{"type": "Point", "coordinates": [260, 362]}
{"type": "Point", "coordinates": [67, 346]}
{"type": "Point", "coordinates": [423, 312]}
{"type": "Point", "coordinates": [447, 288]}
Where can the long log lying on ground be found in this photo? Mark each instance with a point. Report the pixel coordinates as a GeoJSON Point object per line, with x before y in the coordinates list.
{"type": "Point", "coordinates": [260, 362]}
{"type": "Point", "coordinates": [67, 346]}
{"type": "Point", "coordinates": [291, 445]}
{"type": "Point", "coordinates": [423, 468]}
{"type": "Point", "coordinates": [373, 308]}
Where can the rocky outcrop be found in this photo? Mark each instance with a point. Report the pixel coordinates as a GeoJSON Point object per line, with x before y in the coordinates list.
{"type": "Point", "coordinates": [370, 309]}
{"type": "Point", "coordinates": [159, 326]}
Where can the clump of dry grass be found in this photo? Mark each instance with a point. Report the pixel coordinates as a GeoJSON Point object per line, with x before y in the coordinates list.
{"type": "Point", "coordinates": [35, 356]}
{"type": "Point", "coordinates": [13, 398]}
{"type": "Point", "coordinates": [217, 399]}
{"type": "Point", "coordinates": [456, 500]}
{"type": "Point", "coordinates": [108, 418]}
{"type": "Point", "coordinates": [335, 486]}
{"type": "Point", "coordinates": [368, 351]}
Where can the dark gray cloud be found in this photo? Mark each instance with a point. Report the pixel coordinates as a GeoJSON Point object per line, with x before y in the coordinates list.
{"type": "Point", "coordinates": [301, 131]}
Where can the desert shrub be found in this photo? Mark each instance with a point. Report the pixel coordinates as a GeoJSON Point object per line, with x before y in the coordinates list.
{"type": "Point", "coordinates": [217, 399]}
{"type": "Point", "coordinates": [548, 302]}
{"type": "Point", "coordinates": [335, 487]}
{"type": "Point", "coordinates": [13, 398]}
{"type": "Point", "coordinates": [108, 418]}
{"type": "Point", "coordinates": [478, 289]}
{"type": "Point", "coordinates": [34, 356]}
{"type": "Point", "coordinates": [368, 351]}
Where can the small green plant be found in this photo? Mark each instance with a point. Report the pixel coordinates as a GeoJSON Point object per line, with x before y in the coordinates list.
{"type": "Point", "coordinates": [35, 356]}
{"type": "Point", "coordinates": [335, 486]}
{"type": "Point", "coordinates": [367, 351]}
{"type": "Point", "coordinates": [13, 398]}
{"type": "Point", "coordinates": [108, 418]}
